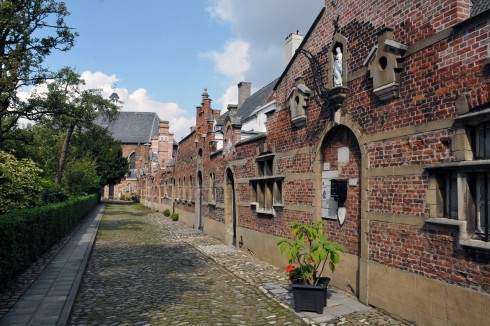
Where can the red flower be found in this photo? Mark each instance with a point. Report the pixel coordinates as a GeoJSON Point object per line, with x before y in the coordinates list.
{"type": "Point", "coordinates": [290, 268]}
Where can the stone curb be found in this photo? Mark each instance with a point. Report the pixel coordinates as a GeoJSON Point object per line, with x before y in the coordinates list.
{"type": "Point", "coordinates": [70, 301]}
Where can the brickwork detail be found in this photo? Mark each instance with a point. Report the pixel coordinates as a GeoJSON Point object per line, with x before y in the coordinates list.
{"type": "Point", "coordinates": [430, 253]}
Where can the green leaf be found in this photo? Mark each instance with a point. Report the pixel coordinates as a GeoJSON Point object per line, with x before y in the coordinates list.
{"type": "Point", "coordinates": [283, 247]}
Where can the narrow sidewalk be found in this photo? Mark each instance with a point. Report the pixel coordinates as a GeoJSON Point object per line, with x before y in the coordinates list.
{"type": "Point", "coordinates": [50, 298]}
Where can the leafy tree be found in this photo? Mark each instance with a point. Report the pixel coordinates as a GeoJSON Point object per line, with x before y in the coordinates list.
{"type": "Point", "coordinates": [70, 106]}
{"type": "Point", "coordinates": [43, 142]}
{"type": "Point", "coordinates": [81, 177]}
{"type": "Point", "coordinates": [98, 144]}
{"type": "Point", "coordinates": [19, 183]}
{"type": "Point", "coordinates": [29, 31]}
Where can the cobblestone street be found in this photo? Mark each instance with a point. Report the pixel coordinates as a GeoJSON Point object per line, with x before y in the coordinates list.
{"type": "Point", "coordinates": [139, 273]}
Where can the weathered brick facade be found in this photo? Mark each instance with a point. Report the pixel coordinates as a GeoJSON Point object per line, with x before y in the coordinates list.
{"type": "Point", "coordinates": [405, 131]}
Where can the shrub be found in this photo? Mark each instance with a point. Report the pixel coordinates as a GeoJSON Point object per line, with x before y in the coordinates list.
{"type": "Point", "coordinates": [175, 217]}
{"type": "Point", "coordinates": [126, 197]}
{"type": "Point", "coordinates": [19, 180]}
{"type": "Point", "coordinates": [166, 212]}
{"type": "Point", "coordinates": [27, 233]}
{"type": "Point", "coordinates": [53, 195]}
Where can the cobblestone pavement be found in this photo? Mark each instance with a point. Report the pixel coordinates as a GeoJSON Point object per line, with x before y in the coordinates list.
{"type": "Point", "coordinates": [139, 273]}
{"type": "Point", "coordinates": [268, 278]}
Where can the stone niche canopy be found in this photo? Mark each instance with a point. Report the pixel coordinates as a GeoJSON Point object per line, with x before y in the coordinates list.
{"type": "Point", "coordinates": [298, 101]}
{"type": "Point", "coordinates": [384, 63]}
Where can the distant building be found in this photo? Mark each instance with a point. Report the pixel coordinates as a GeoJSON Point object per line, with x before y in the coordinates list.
{"type": "Point", "coordinates": [146, 142]}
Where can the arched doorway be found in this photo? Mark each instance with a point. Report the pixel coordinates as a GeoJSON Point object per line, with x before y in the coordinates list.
{"type": "Point", "coordinates": [199, 225]}
{"type": "Point", "coordinates": [341, 172]}
{"type": "Point", "coordinates": [230, 210]}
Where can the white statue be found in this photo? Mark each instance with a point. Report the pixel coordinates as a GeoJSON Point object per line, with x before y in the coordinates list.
{"type": "Point", "coordinates": [337, 68]}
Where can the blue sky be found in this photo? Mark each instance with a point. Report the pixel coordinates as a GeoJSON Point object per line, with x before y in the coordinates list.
{"type": "Point", "coordinates": [161, 53]}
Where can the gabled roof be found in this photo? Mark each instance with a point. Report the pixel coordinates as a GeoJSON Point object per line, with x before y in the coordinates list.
{"type": "Point", "coordinates": [256, 100]}
{"type": "Point", "coordinates": [479, 6]}
{"type": "Point", "coordinates": [252, 102]}
{"type": "Point", "coordinates": [132, 127]}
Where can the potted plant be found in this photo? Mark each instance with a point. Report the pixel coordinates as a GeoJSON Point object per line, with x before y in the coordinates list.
{"type": "Point", "coordinates": [308, 252]}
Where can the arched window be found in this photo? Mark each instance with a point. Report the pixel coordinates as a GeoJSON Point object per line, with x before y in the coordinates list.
{"type": "Point", "coordinates": [132, 161]}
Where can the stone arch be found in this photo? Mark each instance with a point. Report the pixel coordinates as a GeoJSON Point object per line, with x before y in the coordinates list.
{"type": "Point", "coordinates": [341, 154]}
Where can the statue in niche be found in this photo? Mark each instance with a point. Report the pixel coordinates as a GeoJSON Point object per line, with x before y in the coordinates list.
{"type": "Point", "coordinates": [337, 68]}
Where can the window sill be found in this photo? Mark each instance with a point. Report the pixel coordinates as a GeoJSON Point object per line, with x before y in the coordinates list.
{"type": "Point", "coordinates": [464, 240]}
{"type": "Point", "coordinates": [262, 212]}
{"type": "Point", "coordinates": [278, 207]}
{"type": "Point", "coordinates": [445, 221]}
{"type": "Point", "coordinates": [475, 244]}
{"type": "Point", "coordinates": [268, 178]}
{"type": "Point", "coordinates": [265, 213]}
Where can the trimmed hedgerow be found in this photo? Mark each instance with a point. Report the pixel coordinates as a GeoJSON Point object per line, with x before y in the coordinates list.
{"type": "Point", "coordinates": [26, 234]}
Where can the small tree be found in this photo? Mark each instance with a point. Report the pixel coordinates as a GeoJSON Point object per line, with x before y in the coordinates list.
{"type": "Point", "coordinates": [81, 177]}
{"type": "Point", "coordinates": [19, 183]}
{"type": "Point", "coordinates": [99, 145]}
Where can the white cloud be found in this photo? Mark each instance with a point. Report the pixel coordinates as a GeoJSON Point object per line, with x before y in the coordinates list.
{"type": "Point", "coordinates": [138, 101]}
{"type": "Point", "coordinates": [263, 27]}
{"type": "Point", "coordinates": [230, 97]}
{"type": "Point", "coordinates": [221, 9]}
{"type": "Point", "coordinates": [233, 62]}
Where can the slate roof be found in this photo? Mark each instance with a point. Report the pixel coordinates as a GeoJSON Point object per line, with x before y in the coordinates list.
{"type": "Point", "coordinates": [132, 127]}
{"type": "Point", "coordinates": [479, 6]}
{"type": "Point", "coordinates": [252, 102]}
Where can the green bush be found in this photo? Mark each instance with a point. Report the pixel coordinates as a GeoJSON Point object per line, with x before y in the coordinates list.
{"type": "Point", "coordinates": [27, 233]}
{"type": "Point", "coordinates": [53, 195]}
{"type": "Point", "coordinates": [126, 197]}
{"type": "Point", "coordinates": [166, 212]}
{"type": "Point", "coordinates": [19, 183]}
{"type": "Point", "coordinates": [175, 217]}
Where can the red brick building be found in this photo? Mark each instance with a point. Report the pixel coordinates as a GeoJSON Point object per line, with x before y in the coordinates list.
{"type": "Point", "coordinates": [380, 125]}
{"type": "Point", "coordinates": [148, 145]}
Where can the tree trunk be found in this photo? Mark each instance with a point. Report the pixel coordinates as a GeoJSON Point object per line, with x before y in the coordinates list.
{"type": "Point", "coordinates": [64, 154]}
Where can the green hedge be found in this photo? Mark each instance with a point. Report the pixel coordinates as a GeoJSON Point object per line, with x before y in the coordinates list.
{"type": "Point", "coordinates": [26, 234]}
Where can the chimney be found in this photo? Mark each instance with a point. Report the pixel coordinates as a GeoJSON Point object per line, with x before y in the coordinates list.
{"type": "Point", "coordinates": [292, 43]}
{"type": "Point", "coordinates": [244, 91]}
